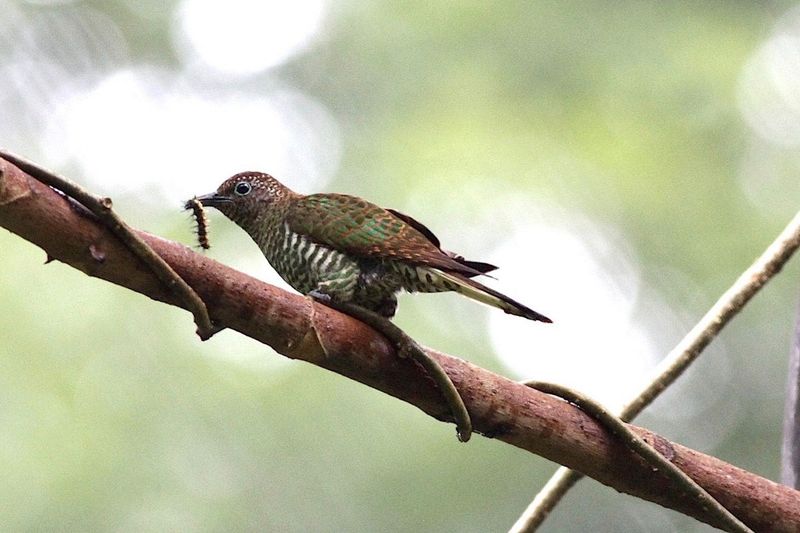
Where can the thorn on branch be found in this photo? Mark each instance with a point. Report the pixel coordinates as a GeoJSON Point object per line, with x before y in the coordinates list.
{"type": "Point", "coordinates": [97, 254]}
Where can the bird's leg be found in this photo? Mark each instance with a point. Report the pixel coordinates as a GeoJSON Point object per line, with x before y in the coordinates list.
{"type": "Point", "coordinates": [386, 307]}
{"type": "Point", "coordinates": [407, 347]}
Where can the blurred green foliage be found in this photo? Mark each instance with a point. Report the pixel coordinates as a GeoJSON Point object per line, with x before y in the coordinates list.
{"type": "Point", "coordinates": [114, 417]}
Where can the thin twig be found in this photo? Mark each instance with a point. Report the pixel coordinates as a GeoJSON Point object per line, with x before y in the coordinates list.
{"type": "Point", "coordinates": [101, 208]}
{"type": "Point", "coordinates": [679, 358]}
{"type": "Point", "coordinates": [407, 346]}
{"type": "Point", "coordinates": [635, 443]}
{"type": "Point", "coordinates": [790, 451]}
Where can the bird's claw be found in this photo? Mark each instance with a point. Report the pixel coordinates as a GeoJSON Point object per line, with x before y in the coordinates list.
{"type": "Point", "coordinates": [319, 296]}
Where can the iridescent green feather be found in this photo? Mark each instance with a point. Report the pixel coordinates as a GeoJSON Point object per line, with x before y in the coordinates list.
{"type": "Point", "coordinates": [357, 227]}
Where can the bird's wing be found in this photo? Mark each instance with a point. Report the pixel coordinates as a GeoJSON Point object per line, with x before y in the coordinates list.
{"type": "Point", "coordinates": [483, 268]}
{"type": "Point", "coordinates": [360, 228]}
{"type": "Point", "coordinates": [417, 225]}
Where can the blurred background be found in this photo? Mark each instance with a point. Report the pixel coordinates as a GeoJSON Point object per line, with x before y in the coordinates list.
{"type": "Point", "coordinates": [622, 163]}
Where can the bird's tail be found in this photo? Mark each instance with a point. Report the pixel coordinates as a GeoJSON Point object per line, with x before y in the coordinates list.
{"type": "Point", "coordinates": [472, 289]}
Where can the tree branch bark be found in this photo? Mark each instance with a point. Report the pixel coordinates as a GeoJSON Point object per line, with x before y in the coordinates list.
{"type": "Point", "coordinates": [299, 329]}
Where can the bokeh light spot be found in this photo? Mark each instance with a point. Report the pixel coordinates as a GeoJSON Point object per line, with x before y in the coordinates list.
{"type": "Point", "coordinates": [242, 37]}
{"type": "Point", "coordinates": [190, 140]}
{"type": "Point", "coordinates": [587, 281]}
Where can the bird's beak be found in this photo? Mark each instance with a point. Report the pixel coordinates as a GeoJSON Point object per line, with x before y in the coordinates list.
{"type": "Point", "coordinates": [213, 200]}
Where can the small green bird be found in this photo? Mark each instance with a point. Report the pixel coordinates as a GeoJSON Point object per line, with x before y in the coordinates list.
{"type": "Point", "coordinates": [348, 249]}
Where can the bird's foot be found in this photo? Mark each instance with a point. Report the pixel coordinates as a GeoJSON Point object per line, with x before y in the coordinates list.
{"type": "Point", "coordinates": [321, 297]}
{"type": "Point", "coordinates": [408, 347]}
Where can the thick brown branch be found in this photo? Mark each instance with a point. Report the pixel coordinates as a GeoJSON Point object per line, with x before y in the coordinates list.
{"type": "Point", "coordinates": [297, 328]}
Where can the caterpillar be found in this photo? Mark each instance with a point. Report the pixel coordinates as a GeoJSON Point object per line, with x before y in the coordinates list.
{"type": "Point", "coordinates": [202, 222]}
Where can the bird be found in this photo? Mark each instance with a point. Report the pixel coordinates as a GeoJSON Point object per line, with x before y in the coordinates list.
{"type": "Point", "coordinates": [346, 249]}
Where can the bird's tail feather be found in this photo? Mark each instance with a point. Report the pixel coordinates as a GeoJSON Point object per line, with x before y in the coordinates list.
{"type": "Point", "coordinates": [472, 289]}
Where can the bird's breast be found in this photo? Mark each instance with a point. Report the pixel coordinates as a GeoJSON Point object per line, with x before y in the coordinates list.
{"type": "Point", "coordinates": [305, 264]}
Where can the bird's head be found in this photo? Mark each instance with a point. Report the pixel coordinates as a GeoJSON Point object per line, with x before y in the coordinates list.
{"type": "Point", "coordinates": [247, 197]}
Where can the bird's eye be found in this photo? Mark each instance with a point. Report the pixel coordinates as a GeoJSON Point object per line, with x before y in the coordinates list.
{"type": "Point", "coordinates": [243, 188]}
